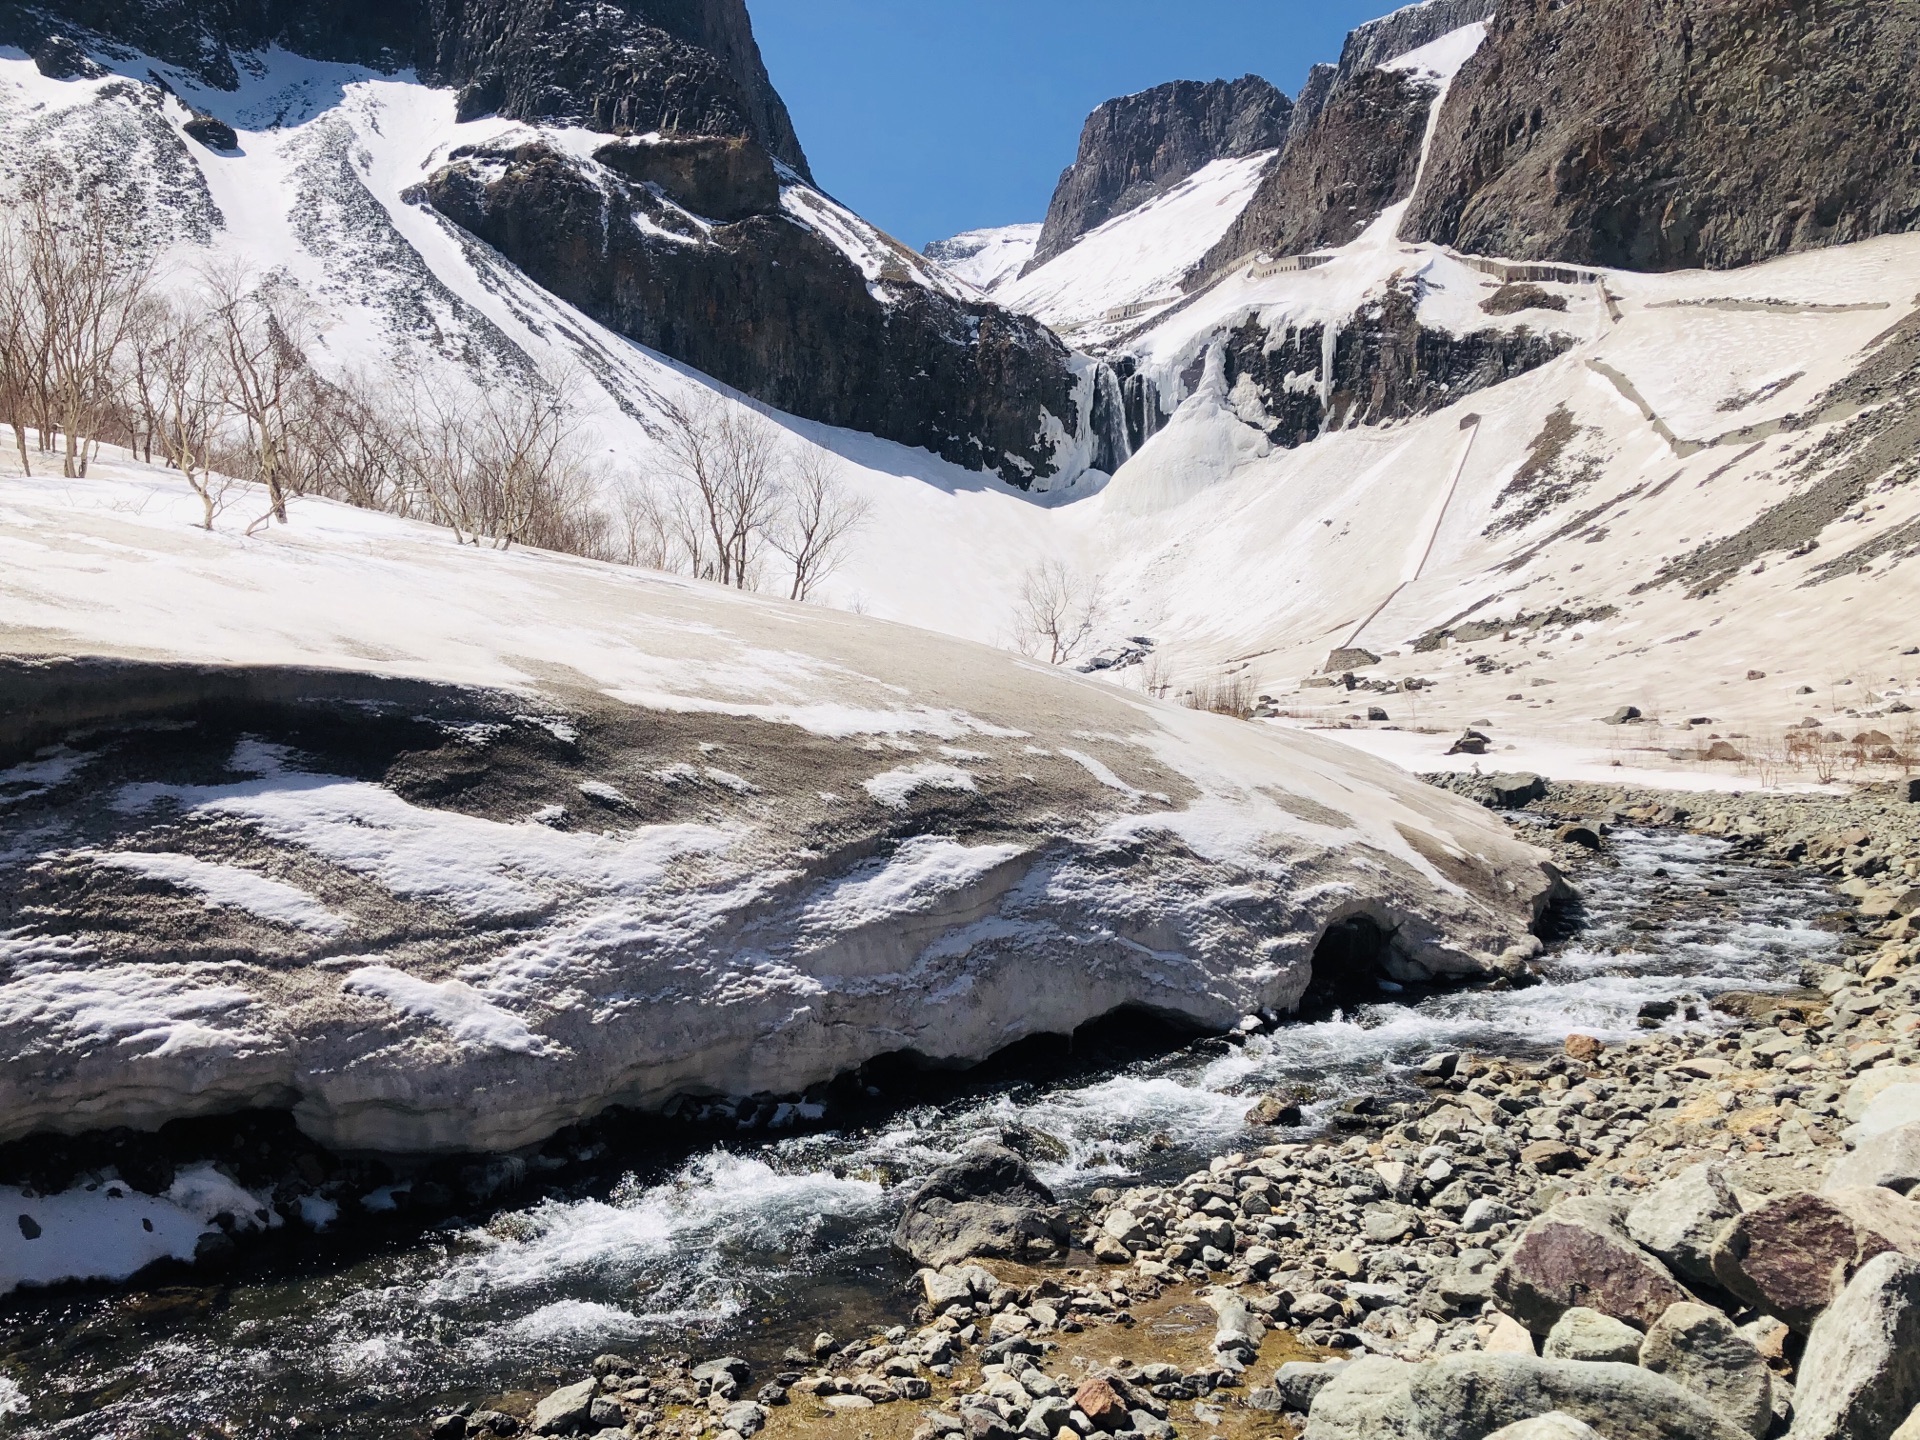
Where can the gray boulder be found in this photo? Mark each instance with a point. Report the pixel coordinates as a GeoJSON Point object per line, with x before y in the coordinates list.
{"type": "Point", "coordinates": [986, 1203]}
{"type": "Point", "coordinates": [1583, 1334]}
{"type": "Point", "coordinates": [1697, 1347]}
{"type": "Point", "coordinates": [1469, 1397]}
{"type": "Point", "coordinates": [1890, 1159]}
{"type": "Point", "coordinates": [1679, 1219]}
{"type": "Point", "coordinates": [1298, 1381]}
{"type": "Point", "coordinates": [1860, 1375]}
{"type": "Point", "coordinates": [1578, 1254]}
{"type": "Point", "coordinates": [565, 1411]}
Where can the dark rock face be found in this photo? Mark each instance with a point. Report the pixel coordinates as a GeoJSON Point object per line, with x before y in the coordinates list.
{"type": "Point", "coordinates": [1140, 146]}
{"type": "Point", "coordinates": [769, 305]}
{"type": "Point", "coordinates": [1359, 156]}
{"type": "Point", "coordinates": [1386, 366]}
{"type": "Point", "coordinates": [1668, 134]}
{"type": "Point", "coordinates": [639, 65]}
{"type": "Point", "coordinates": [722, 178]}
{"type": "Point", "coordinates": [987, 1204]}
{"type": "Point", "coordinates": [1375, 43]}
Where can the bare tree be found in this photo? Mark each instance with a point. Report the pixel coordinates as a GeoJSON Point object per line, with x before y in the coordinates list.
{"type": "Point", "coordinates": [818, 519]}
{"type": "Point", "coordinates": [178, 388]}
{"type": "Point", "coordinates": [726, 494]}
{"type": "Point", "coordinates": [265, 331]}
{"type": "Point", "coordinates": [1056, 612]}
{"type": "Point", "coordinates": [71, 292]}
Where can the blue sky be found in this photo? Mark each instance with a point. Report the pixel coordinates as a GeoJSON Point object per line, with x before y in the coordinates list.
{"type": "Point", "coordinates": [934, 118]}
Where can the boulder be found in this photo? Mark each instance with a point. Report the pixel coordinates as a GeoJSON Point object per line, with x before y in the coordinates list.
{"type": "Point", "coordinates": [1513, 792]}
{"type": "Point", "coordinates": [212, 133]}
{"type": "Point", "coordinates": [1697, 1347]}
{"type": "Point", "coordinates": [1625, 715]}
{"type": "Point", "coordinates": [1585, 836]}
{"type": "Point", "coordinates": [986, 1203]}
{"type": "Point", "coordinates": [1239, 1331]}
{"type": "Point", "coordinates": [1890, 1159]}
{"type": "Point", "coordinates": [1892, 1108]}
{"type": "Point", "coordinates": [1860, 1375]}
{"type": "Point", "coordinates": [1871, 1085]}
{"type": "Point", "coordinates": [1466, 1397]}
{"type": "Point", "coordinates": [1298, 1381]}
{"type": "Point", "coordinates": [1679, 1219]}
{"type": "Point", "coordinates": [1585, 1048]}
{"type": "Point", "coordinates": [1349, 658]}
{"type": "Point", "coordinates": [1910, 1427]}
{"type": "Point", "coordinates": [564, 1411]}
{"type": "Point", "coordinates": [1583, 1334]}
{"type": "Point", "coordinates": [1471, 743]}
{"type": "Point", "coordinates": [1101, 1403]}
{"type": "Point", "coordinates": [1793, 1254]}
{"type": "Point", "coordinates": [1579, 1254]}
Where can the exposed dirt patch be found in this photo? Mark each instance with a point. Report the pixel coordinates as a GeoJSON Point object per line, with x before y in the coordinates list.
{"type": "Point", "coordinates": [1555, 472]}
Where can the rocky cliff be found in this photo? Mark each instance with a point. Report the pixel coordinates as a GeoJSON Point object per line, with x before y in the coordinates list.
{"type": "Point", "coordinates": [693, 249]}
{"type": "Point", "coordinates": [1140, 146]}
{"type": "Point", "coordinates": [1378, 41]}
{"type": "Point", "coordinates": [1670, 134]}
{"type": "Point", "coordinates": [641, 65]}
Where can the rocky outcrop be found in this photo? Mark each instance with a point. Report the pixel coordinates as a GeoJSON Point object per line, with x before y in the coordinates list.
{"type": "Point", "coordinates": [637, 65]}
{"type": "Point", "coordinates": [985, 1205]}
{"type": "Point", "coordinates": [1384, 365]}
{"type": "Point", "coordinates": [1140, 146]}
{"type": "Point", "coordinates": [1684, 134]}
{"type": "Point", "coordinates": [695, 254]}
{"type": "Point", "coordinates": [1360, 154]}
{"type": "Point", "coordinates": [1373, 44]}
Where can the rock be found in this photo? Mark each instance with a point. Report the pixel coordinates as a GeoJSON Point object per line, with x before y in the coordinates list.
{"type": "Point", "coordinates": [1298, 1381]}
{"type": "Point", "coordinates": [1514, 792]}
{"type": "Point", "coordinates": [1483, 1214]}
{"type": "Point", "coordinates": [1135, 148]}
{"type": "Point", "coordinates": [745, 1419]}
{"type": "Point", "coordinates": [985, 1204]}
{"type": "Point", "coordinates": [564, 1411]}
{"type": "Point", "coordinates": [1585, 836]}
{"type": "Point", "coordinates": [1913, 792]}
{"type": "Point", "coordinates": [1579, 1254]}
{"type": "Point", "coordinates": [59, 58]}
{"type": "Point", "coordinates": [1271, 1111]}
{"type": "Point", "coordinates": [1874, 1083]}
{"type": "Point", "coordinates": [1384, 1224]}
{"type": "Point", "coordinates": [1376, 716]}
{"type": "Point", "coordinates": [1471, 743]}
{"type": "Point", "coordinates": [1583, 1334]}
{"type": "Point", "coordinates": [1462, 1396]}
{"type": "Point", "coordinates": [1099, 1402]}
{"type": "Point", "coordinates": [724, 178]}
{"type": "Point", "coordinates": [1725, 750]}
{"type": "Point", "coordinates": [1680, 1219]}
{"type": "Point", "coordinates": [1552, 1426]}
{"type": "Point", "coordinates": [1890, 1159]}
{"type": "Point", "coordinates": [1341, 661]}
{"type": "Point", "coordinates": [1625, 715]}
{"type": "Point", "coordinates": [1585, 1048]}
{"type": "Point", "coordinates": [1860, 1375]}
{"type": "Point", "coordinates": [944, 1288]}
{"type": "Point", "coordinates": [1508, 1337]}
{"type": "Point", "coordinates": [212, 133]}
{"type": "Point", "coordinates": [1792, 1254]}
{"type": "Point", "coordinates": [1238, 1332]}
{"type": "Point", "coordinates": [1894, 1108]}
{"type": "Point", "coordinates": [1697, 1347]}
{"type": "Point", "coordinates": [1550, 1157]}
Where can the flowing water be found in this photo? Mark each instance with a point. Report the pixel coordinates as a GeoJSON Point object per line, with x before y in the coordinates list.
{"type": "Point", "coordinates": [760, 1242]}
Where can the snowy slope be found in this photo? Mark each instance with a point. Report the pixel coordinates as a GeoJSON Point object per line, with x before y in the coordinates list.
{"type": "Point", "coordinates": [1132, 266]}
{"type": "Point", "coordinates": [987, 259]}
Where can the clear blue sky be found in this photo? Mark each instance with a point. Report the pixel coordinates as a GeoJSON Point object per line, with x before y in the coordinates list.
{"type": "Point", "coordinates": [930, 119]}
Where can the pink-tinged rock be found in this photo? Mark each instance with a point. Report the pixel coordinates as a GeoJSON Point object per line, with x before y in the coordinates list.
{"type": "Point", "coordinates": [1578, 1254]}
{"type": "Point", "coordinates": [1793, 1255]}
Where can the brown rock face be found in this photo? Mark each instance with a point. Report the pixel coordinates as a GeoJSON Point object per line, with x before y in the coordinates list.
{"type": "Point", "coordinates": [1667, 134]}
{"type": "Point", "coordinates": [1577, 1254]}
{"type": "Point", "coordinates": [1100, 1403]}
{"type": "Point", "coordinates": [1793, 1255]}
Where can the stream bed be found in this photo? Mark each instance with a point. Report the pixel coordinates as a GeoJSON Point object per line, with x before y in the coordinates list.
{"type": "Point", "coordinates": [751, 1244]}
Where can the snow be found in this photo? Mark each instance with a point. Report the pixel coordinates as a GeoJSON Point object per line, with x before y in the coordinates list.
{"type": "Point", "coordinates": [987, 259]}
{"type": "Point", "coordinates": [1133, 264]}
{"type": "Point", "coordinates": [227, 885]}
{"type": "Point", "coordinates": [108, 1231]}
{"type": "Point", "coordinates": [1442, 59]}
{"type": "Point", "coordinates": [895, 788]}
{"type": "Point", "coordinates": [923, 869]}
{"type": "Point", "coordinates": [467, 1015]}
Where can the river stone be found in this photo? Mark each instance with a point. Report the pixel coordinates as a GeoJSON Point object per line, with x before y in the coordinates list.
{"type": "Point", "coordinates": [564, 1410]}
{"type": "Point", "coordinates": [1679, 1219]}
{"type": "Point", "coordinates": [1583, 1334]}
{"type": "Point", "coordinates": [1101, 1403]}
{"type": "Point", "coordinates": [1578, 1254]}
{"type": "Point", "coordinates": [1890, 1159]}
{"type": "Point", "coordinates": [1468, 1397]}
{"type": "Point", "coordinates": [1860, 1375]}
{"type": "Point", "coordinates": [1298, 1381]}
{"type": "Point", "coordinates": [1791, 1255]}
{"type": "Point", "coordinates": [1871, 1085]}
{"type": "Point", "coordinates": [1892, 1108]}
{"type": "Point", "coordinates": [1697, 1347]}
{"type": "Point", "coordinates": [1552, 1426]}
{"type": "Point", "coordinates": [985, 1204]}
